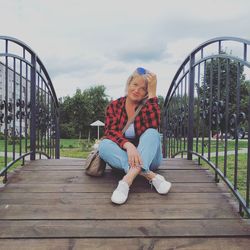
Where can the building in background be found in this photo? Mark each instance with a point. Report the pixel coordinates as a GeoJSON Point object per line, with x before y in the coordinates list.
{"type": "Point", "coordinates": [17, 99]}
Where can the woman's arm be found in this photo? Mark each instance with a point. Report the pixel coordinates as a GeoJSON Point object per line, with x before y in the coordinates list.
{"type": "Point", "coordinates": [151, 113]}
{"type": "Point", "coordinates": [152, 82]}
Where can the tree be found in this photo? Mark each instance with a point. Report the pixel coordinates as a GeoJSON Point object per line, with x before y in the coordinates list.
{"type": "Point", "coordinates": [77, 112]}
{"type": "Point", "coordinates": [213, 92]}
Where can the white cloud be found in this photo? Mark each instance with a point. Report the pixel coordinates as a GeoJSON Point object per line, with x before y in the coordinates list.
{"type": "Point", "coordinates": [101, 42]}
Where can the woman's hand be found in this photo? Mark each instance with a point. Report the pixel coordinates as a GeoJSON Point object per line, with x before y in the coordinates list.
{"type": "Point", "coordinates": [134, 158]}
{"type": "Point", "coordinates": [152, 82]}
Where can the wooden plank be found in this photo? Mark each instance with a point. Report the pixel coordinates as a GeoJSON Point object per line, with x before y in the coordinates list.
{"type": "Point", "coordinates": [80, 160]}
{"type": "Point", "coordinates": [199, 243]}
{"type": "Point", "coordinates": [82, 167]}
{"type": "Point", "coordinates": [55, 162]}
{"type": "Point", "coordinates": [76, 199]}
{"type": "Point", "coordinates": [80, 177]}
{"type": "Point", "coordinates": [206, 187]}
{"type": "Point", "coordinates": [112, 211]}
{"type": "Point", "coordinates": [79, 164]}
{"type": "Point", "coordinates": [121, 228]}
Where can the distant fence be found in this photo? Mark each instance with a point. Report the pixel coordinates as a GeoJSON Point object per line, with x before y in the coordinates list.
{"type": "Point", "coordinates": [207, 112]}
{"type": "Point", "coordinates": [29, 112]}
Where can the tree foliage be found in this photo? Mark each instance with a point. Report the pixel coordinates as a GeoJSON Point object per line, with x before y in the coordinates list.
{"type": "Point", "coordinates": [79, 111]}
{"type": "Point", "coordinates": [219, 87]}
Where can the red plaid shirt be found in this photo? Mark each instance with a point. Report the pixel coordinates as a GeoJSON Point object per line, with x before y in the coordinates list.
{"type": "Point", "coordinates": [116, 119]}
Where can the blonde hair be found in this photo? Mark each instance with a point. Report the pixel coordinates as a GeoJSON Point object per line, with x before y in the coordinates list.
{"type": "Point", "coordinates": [133, 76]}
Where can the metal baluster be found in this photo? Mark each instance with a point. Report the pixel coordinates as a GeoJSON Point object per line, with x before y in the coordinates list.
{"type": "Point", "coordinates": [6, 112]}
{"type": "Point", "coordinates": [50, 139]}
{"type": "Point", "coordinates": [182, 118]}
{"type": "Point", "coordinates": [170, 130]}
{"type": "Point", "coordinates": [204, 109]}
{"type": "Point", "coordinates": [20, 109]}
{"type": "Point", "coordinates": [14, 111]}
{"type": "Point", "coordinates": [236, 128]}
{"type": "Point", "coordinates": [33, 108]}
{"type": "Point", "coordinates": [26, 106]}
{"type": "Point", "coordinates": [226, 115]}
{"type": "Point", "coordinates": [178, 117]}
{"type": "Point", "coordinates": [218, 115]}
{"type": "Point", "coordinates": [198, 113]}
{"type": "Point", "coordinates": [39, 113]}
{"type": "Point", "coordinates": [49, 122]}
{"type": "Point", "coordinates": [185, 113]}
{"type": "Point", "coordinates": [42, 114]}
{"type": "Point", "coordinates": [248, 159]}
{"type": "Point", "coordinates": [174, 114]}
{"type": "Point", "coordinates": [210, 107]}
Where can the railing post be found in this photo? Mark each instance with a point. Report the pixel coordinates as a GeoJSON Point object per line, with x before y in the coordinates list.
{"type": "Point", "coordinates": [33, 108]}
{"type": "Point", "coordinates": [164, 134]}
{"type": "Point", "coordinates": [190, 107]}
{"type": "Point", "coordinates": [57, 149]}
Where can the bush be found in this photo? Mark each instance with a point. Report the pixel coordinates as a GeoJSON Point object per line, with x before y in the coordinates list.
{"type": "Point", "coordinates": [85, 145]}
{"type": "Point", "coordinates": [67, 130]}
{"type": "Point", "coordinates": [1, 136]}
{"type": "Point", "coordinates": [13, 139]}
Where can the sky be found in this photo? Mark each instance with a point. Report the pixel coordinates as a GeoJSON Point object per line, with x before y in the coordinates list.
{"type": "Point", "coordinates": [85, 43]}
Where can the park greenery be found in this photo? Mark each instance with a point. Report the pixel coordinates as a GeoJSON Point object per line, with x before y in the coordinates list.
{"type": "Point", "coordinates": [223, 87]}
{"type": "Point", "coordinates": [80, 110]}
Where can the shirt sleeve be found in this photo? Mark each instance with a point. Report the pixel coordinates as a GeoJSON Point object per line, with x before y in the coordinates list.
{"type": "Point", "coordinates": [151, 112]}
{"type": "Point", "coordinates": [111, 128]}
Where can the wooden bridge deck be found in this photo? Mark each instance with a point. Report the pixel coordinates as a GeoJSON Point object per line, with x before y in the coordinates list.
{"type": "Point", "coordinates": [52, 204]}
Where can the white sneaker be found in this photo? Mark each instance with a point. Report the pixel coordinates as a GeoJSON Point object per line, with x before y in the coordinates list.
{"type": "Point", "coordinates": [120, 194]}
{"type": "Point", "coordinates": [161, 185]}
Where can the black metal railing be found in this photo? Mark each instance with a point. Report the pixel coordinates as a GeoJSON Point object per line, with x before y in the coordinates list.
{"type": "Point", "coordinates": [29, 113]}
{"type": "Point", "coordinates": [207, 112]}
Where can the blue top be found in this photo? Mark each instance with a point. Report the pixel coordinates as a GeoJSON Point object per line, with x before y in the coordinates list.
{"type": "Point", "coordinates": [130, 132]}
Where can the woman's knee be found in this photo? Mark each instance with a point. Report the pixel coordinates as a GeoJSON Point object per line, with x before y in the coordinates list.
{"type": "Point", "coordinates": [104, 147]}
{"type": "Point", "coordinates": [151, 132]}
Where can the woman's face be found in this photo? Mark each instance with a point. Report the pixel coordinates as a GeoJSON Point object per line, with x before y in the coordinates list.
{"type": "Point", "coordinates": [137, 89]}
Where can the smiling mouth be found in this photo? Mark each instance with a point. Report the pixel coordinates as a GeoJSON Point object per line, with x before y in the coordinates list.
{"type": "Point", "coordinates": [135, 95]}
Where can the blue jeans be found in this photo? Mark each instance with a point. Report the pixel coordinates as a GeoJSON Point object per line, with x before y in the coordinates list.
{"type": "Point", "coordinates": [149, 148]}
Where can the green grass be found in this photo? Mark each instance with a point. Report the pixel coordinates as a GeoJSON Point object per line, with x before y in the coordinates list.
{"type": "Point", "coordinates": [74, 153]}
{"type": "Point", "coordinates": [2, 163]}
{"type": "Point", "coordinates": [10, 147]}
{"type": "Point", "coordinates": [221, 145]}
{"type": "Point", "coordinates": [70, 143]}
{"type": "Point", "coordinates": [75, 148]}
{"type": "Point", "coordinates": [242, 170]}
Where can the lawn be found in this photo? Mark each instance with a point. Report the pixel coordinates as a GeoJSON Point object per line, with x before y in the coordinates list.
{"type": "Point", "coordinates": [10, 146]}
{"type": "Point", "coordinates": [75, 148]}
{"type": "Point", "coordinates": [213, 143]}
{"type": "Point", "coordinates": [242, 170]}
{"type": "Point", "coordinates": [68, 147]}
{"type": "Point", "coordinates": [9, 160]}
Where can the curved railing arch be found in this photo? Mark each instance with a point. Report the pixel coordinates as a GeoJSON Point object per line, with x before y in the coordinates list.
{"type": "Point", "coordinates": [209, 101]}
{"type": "Point", "coordinates": [29, 110]}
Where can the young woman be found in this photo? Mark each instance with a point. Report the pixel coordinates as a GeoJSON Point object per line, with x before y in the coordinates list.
{"type": "Point", "coordinates": [138, 150]}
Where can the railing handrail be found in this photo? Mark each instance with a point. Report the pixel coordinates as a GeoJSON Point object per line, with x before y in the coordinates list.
{"type": "Point", "coordinates": [29, 106]}
{"type": "Point", "coordinates": [198, 48]}
{"type": "Point", "coordinates": [183, 105]}
{"type": "Point", "coordinates": [19, 42]}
